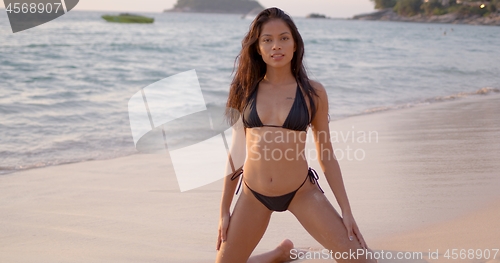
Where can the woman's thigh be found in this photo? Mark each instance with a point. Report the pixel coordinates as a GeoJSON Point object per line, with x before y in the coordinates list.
{"type": "Point", "coordinates": [317, 215]}
{"type": "Point", "coordinates": [247, 225]}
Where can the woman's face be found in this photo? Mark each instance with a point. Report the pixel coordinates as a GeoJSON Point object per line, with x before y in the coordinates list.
{"type": "Point", "coordinates": [276, 43]}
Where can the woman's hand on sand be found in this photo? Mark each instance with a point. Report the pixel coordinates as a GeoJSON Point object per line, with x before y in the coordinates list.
{"type": "Point", "coordinates": [223, 225]}
{"type": "Point", "coordinates": [353, 230]}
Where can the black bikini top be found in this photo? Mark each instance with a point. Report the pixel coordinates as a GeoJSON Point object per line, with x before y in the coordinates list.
{"type": "Point", "coordinates": [298, 118]}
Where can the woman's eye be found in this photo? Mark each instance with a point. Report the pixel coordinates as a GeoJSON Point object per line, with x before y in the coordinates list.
{"type": "Point", "coordinates": [285, 38]}
{"type": "Point", "coordinates": [267, 40]}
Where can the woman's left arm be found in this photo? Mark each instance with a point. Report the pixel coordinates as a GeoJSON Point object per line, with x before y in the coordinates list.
{"type": "Point", "coordinates": [329, 163]}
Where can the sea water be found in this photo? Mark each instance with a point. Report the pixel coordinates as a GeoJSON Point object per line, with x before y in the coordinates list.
{"type": "Point", "coordinates": [65, 85]}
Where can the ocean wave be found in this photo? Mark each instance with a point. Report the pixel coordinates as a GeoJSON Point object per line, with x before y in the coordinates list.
{"type": "Point", "coordinates": [6, 169]}
{"type": "Point", "coordinates": [348, 40]}
{"type": "Point", "coordinates": [18, 168]}
{"type": "Point", "coordinates": [482, 91]}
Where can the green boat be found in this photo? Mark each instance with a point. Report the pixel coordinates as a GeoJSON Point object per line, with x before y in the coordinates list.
{"type": "Point", "coordinates": [128, 18]}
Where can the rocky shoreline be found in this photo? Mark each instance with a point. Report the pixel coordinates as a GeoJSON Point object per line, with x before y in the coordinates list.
{"type": "Point", "coordinates": [243, 7]}
{"type": "Point", "coordinates": [254, 11]}
{"type": "Point", "coordinates": [452, 18]}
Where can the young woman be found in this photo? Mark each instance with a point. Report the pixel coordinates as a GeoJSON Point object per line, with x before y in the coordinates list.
{"type": "Point", "coordinates": [276, 103]}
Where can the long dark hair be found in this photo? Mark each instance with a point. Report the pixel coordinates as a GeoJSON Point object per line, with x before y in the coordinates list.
{"type": "Point", "coordinates": [252, 69]}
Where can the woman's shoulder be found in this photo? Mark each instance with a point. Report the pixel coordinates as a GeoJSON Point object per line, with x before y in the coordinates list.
{"type": "Point", "coordinates": [318, 87]}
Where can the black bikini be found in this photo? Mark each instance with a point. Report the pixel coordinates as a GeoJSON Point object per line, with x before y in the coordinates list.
{"type": "Point", "coordinates": [298, 119]}
{"type": "Point", "coordinates": [279, 203]}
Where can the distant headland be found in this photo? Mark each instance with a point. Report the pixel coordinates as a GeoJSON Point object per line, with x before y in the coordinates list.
{"type": "Point", "coordinates": [474, 12]}
{"type": "Point", "coordinates": [217, 6]}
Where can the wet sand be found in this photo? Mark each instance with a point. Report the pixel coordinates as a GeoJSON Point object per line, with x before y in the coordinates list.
{"type": "Point", "coordinates": [429, 181]}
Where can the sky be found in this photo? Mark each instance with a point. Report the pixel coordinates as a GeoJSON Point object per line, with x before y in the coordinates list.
{"type": "Point", "coordinates": [331, 8]}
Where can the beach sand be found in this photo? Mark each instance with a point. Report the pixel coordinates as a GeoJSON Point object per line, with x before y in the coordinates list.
{"type": "Point", "coordinates": [429, 179]}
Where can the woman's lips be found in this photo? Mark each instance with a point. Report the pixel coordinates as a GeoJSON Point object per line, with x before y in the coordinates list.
{"type": "Point", "coordinates": [277, 56]}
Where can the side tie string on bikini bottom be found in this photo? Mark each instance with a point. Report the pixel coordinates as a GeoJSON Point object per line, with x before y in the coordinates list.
{"type": "Point", "coordinates": [236, 175]}
{"type": "Point", "coordinates": [314, 177]}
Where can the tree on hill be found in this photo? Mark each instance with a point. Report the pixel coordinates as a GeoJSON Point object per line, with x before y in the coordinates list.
{"type": "Point", "coordinates": [408, 7]}
{"type": "Point", "coordinates": [439, 7]}
{"type": "Point", "coordinates": [433, 7]}
{"type": "Point", "coordinates": [382, 4]}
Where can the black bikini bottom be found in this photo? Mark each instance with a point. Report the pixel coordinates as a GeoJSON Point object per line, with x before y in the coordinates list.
{"type": "Point", "coordinates": [279, 203]}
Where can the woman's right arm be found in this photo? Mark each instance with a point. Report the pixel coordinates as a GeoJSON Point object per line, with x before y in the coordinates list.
{"type": "Point", "coordinates": [237, 155]}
